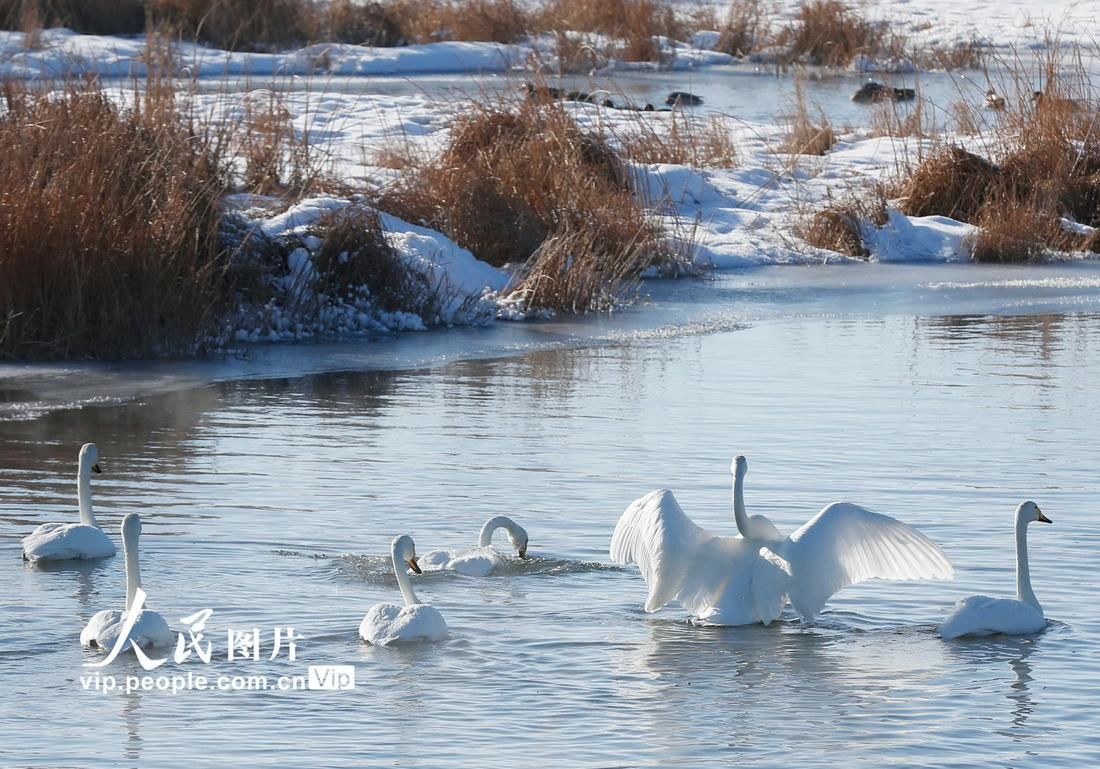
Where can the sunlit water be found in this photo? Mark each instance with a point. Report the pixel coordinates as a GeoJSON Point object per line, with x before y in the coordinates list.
{"type": "Point", "coordinates": [270, 489]}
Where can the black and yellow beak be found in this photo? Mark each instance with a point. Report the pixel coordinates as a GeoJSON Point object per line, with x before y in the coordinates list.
{"type": "Point", "coordinates": [414, 566]}
{"type": "Point", "coordinates": [96, 468]}
{"type": "Point", "coordinates": [1042, 518]}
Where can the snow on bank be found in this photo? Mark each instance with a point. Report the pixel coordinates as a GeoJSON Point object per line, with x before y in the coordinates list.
{"type": "Point", "coordinates": [62, 53]}
{"type": "Point", "coordinates": [454, 287]}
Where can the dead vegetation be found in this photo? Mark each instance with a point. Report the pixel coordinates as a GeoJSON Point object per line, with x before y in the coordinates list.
{"type": "Point", "coordinates": [109, 227]}
{"type": "Point", "coordinates": [745, 27]}
{"type": "Point", "coordinates": [630, 27]}
{"type": "Point", "coordinates": [807, 134]}
{"type": "Point", "coordinates": [686, 140]}
{"type": "Point", "coordinates": [840, 225]}
{"type": "Point", "coordinates": [830, 33]}
{"type": "Point", "coordinates": [1043, 168]}
{"type": "Point", "coordinates": [529, 188]}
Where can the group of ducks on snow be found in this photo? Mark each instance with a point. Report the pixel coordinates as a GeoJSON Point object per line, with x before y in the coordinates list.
{"type": "Point", "coordinates": [721, 580]}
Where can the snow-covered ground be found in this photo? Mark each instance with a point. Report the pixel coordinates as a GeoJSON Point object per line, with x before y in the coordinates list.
{"type": "Point", "coordinates": [1014, 24]}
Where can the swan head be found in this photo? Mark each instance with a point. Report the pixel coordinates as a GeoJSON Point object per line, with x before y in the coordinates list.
{"type": "Point", "coordinates": [89, 459]}
{"type": "Point", "coordinates": [517, 535]}
{"type": "Point", "coordinates": [1028, 512]}
{"type": "Point", "coordinates": [739, 466]}
{"type": "Point", "coordinates": [403, 549]}
{"type": "Point", "coordinates": [131, 527]}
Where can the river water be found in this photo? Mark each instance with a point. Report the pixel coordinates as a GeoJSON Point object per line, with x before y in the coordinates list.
{"type": "Point", "coordinates": [271, 485]}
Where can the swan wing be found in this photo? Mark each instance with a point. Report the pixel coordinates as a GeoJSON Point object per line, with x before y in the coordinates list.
{"type": "Point", "coordinates": [845, 544]}
{"type": "Point", "coordinates": [679, 560]}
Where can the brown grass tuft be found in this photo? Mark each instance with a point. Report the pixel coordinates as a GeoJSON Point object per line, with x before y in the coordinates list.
{"type": "Point", "coordinates": [109, 224]}
{"type": "Point", "coordinates": [839, 226]}
{"type": "Point", "coordinates": [499, 21]}
{"type": "Point", "coordinates": [805, 134]}
{"type": "Point", "coordinates": [831, 33]}
{"type": "Point", "coordinates": [745, 27]}
{"type": "Point", "coordinates": [356, 254]}
{"type": "Point", "coordinates": [688, 141]}
{"type": "Point", "coordinates": [631, 24]}
{"type": "Point", "coordinates": [1044, 166]}
{"type": "Point", "coordinates": [514, 184]}
{"type": "Point", "coordinates": [949, 182]}
{"type": "Point", "coordinates": [834, 230]}
{"type": "Point", "coordinates": [276, 159]}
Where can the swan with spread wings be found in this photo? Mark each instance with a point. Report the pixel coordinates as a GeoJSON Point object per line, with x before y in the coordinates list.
{"type": "Point", "coordinates": [749, 579]}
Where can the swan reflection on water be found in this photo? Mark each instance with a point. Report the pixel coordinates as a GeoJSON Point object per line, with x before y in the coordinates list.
{"type": "Point", "coordinates": [993, 655]}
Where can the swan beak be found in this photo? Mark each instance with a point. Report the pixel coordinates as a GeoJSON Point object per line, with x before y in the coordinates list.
{"type": "Point", "coordinates": [414, 566]}
{"type": "Point", "coordinates": [1042, 518]}
{"type": "Point", "coordinates": [96, 468]}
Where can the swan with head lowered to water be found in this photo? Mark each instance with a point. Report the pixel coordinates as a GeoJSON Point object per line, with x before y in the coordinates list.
{"type": "Point", "coordinates": [70, 541]}
{"type": "Point", "coordinates": [148, 628]}
{"type": "Point", "coordinates": [749, 578]}
{"type": "Point", "coordinates": [483, 559]}
{"type": "Point", "coordinates": [981, 615]}
{"type": "Point", "coordinates": [386, 623]}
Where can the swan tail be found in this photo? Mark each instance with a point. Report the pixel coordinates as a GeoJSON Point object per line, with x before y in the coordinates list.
{"type": "Point", "coordinates": [771, 576]}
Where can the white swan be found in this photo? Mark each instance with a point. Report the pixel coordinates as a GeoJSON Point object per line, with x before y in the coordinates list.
{"type": "Point", "coordinates": [415, 621]}
{"type": "Point", "coordinates": [748, 579]}
{"type": "Point", "coordinates": [67, 541]}
{"type": "Point", "coordinates": [483, 559]}
{"type": "Point", "coordinates": [149, 628]}
{"type": "Point", "coordinates": [981, 615]}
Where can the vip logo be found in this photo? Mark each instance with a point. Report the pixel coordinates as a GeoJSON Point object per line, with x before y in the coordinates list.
{"type": "Point", "coordinates": [333, 678]}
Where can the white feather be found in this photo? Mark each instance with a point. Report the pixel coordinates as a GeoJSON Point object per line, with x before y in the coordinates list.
{"type": "Point", "coordinates": [846, 544]}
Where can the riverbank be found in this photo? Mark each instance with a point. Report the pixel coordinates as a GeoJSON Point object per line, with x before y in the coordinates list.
{"type": "Point", "coordinates": [344, 211]}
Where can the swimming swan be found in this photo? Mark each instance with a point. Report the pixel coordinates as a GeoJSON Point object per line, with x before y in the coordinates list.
{"type": "Point", "coordinates": [748, 579]}
{"type": "Point", "coordinates": [481, 560]}
{"type": "Point", "coordinates": [981, 615]}
{"type": "Point", "coordinates": [65, 541]}
{"type": "Point", "coordinates": [415, 621]}
{"type": "Point", "coordinates": [149, 628]}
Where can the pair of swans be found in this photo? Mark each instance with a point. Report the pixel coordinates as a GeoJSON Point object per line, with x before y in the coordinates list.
{"type": "Point", "coordinates": [86, 540]}
{"type": "Point", "coordinates": [749, 579]}
{"type": "Point", "coordinates": [70, 541]}
{"type": "Point", "coordinates": [148, 628]}
{"type": "Point", "coordinates": [387, 623]}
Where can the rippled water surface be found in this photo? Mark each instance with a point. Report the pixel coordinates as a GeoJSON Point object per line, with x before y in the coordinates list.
{"type": "Point", "coordinates": [270, 488]}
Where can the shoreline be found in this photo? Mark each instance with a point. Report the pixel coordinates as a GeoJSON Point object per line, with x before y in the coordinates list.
{"type": "Point", "coordinates": [672, 308]}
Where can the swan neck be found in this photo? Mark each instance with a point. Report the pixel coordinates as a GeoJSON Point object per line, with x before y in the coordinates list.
{"type": "Point", "coordinates": [739, 514]}
{"type": "Point", "coordinates": [84, 495]}
{"type": "Point", "coordinates": [403, 581]}
{"type": "Point", "coordinates": [485, 538]}
{"type": "Point", "coordinates": [133, 569]}
{"type": "Point", "coordinates": [1023, 571]}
